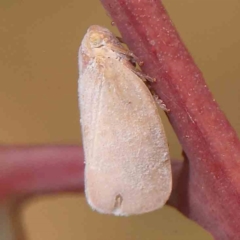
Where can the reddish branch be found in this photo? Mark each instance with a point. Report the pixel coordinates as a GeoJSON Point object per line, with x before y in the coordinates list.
{"type": "Point", "coordinates": [208, 187]}
{"type": "Point", "coordinates": [35, 170]}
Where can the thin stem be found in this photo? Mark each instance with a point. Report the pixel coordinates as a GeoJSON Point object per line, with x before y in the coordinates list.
{"type": "Point", "coordinates": [40, 169]}
{"type": "Point", "coordinates": [10, 223]}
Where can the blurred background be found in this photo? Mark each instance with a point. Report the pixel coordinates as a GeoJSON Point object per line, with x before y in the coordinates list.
{"type": "Point", "coordinates": [39, 41]}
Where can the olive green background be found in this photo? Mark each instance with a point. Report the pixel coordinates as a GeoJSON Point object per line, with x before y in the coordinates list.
{"type": "Point", "coordinates": [39, 42]}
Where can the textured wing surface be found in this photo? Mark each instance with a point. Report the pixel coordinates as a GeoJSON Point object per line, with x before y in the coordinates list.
{"type": "Point", "coordinates": [127, 159]}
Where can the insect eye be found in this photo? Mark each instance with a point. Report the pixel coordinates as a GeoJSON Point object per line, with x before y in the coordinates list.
{"type": "Point", "coordinates": [96, 40]}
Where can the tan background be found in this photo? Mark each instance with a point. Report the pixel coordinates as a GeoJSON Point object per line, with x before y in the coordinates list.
{"type": "Point", "coordinates": [39, 41]}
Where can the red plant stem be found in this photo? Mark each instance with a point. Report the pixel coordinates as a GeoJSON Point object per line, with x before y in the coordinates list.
{"type": "Point", "coordinates": [42, 169]}
{"type": "Point", "coordinates": [208, 189]}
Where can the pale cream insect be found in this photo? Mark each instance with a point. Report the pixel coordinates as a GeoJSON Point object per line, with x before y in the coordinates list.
{"type": "Point", "coordinates": [126, 152]}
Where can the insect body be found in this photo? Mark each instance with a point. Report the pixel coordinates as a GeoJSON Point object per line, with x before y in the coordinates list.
{"type": "Point", "coordinates": [127, 159]}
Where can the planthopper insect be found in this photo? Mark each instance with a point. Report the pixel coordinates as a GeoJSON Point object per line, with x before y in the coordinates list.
{"type": "Point", "coordinates": [127, 162]}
